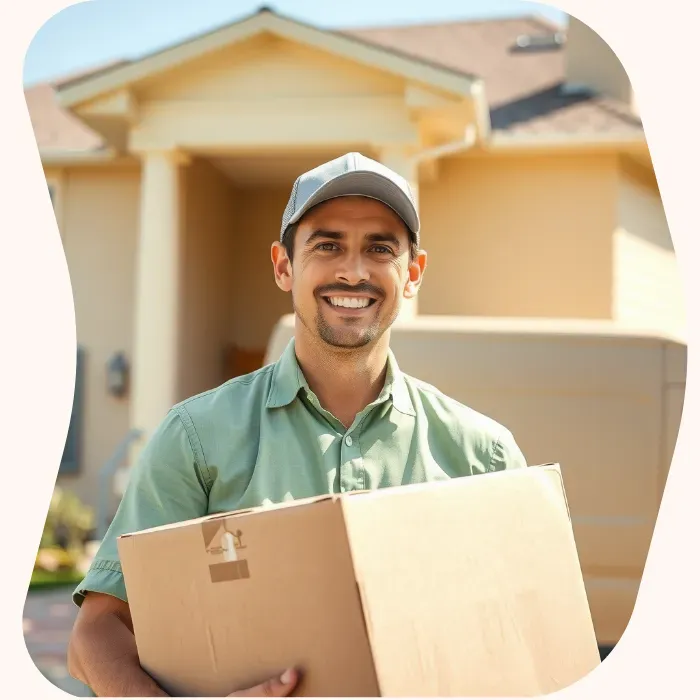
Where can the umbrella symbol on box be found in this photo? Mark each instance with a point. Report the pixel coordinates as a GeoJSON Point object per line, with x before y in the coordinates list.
{"type": "Point", "coordinates": [229, 543]}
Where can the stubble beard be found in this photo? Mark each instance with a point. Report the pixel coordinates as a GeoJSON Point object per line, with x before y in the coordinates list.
{"type": "Point", "coordinates": [347, 338]}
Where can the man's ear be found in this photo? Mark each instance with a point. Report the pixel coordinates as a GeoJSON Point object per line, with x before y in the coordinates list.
{"type": "Point", "coordinates": [282, 266]}
{"type": "Point", "coordinates": [416, 270]}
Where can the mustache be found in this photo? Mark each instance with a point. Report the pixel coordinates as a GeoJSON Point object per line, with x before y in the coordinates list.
{"type": "Point", "coordinates": [362, 288]}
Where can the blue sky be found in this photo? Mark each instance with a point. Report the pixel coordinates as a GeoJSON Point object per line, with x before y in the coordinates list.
{"type": "Point", "coordinates": [98, 31]}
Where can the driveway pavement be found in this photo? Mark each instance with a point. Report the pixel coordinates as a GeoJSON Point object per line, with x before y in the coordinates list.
{"type": "Point", "coordinates": [47, 621]}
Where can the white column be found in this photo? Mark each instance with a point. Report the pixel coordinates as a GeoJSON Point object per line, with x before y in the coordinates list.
{"type": "Point", "coordinates": [399, 161]}
{"type": "Point", "coordinates": [154, 379]}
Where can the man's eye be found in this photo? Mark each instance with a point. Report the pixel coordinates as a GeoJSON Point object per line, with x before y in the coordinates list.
{"type": "Point", "coordinates": [325, 246]}
{"type": "Point", "coordinates": [381, 249]}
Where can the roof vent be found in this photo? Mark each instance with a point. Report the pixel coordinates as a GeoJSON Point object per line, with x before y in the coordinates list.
{"type": "Point", "coordinates": [569, 89]}
{"type": "Point", "coordinates": [539, 42]}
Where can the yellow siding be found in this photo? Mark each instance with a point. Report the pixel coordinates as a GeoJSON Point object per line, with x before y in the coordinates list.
{"type": "Point", "coordinates": [55, 178]}
{"type": "Point", "coordinates": [208, 270]}
{"type": "Point", "coordinates": [266, 67]}
{"type": "Point", "coordinates": [100, 217]}
{"type": "Point", "coordinates": [519, 236]}
{"type": "Point", "coordinates": [257, 301]}
{"type": "Point", "coordinates": [647, 282]}
{"type": "Point", "coordinates": [280, 123]}
{"type": "Point", "coordinates": [271, 92]}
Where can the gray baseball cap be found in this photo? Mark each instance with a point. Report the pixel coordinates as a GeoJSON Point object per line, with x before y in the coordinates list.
{"type": "Point", "coordinates": [352, 174]}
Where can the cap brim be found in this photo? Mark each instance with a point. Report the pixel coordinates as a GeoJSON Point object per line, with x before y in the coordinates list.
{"type": "Point", "coordinates": [364, 184]}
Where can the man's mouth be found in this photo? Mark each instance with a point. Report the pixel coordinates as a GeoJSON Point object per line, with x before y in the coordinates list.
{"type": "Point", "coordinates": [340, 302]}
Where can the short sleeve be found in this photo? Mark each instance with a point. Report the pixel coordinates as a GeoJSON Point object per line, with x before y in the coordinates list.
{"type": "Point", "coordinates": [165, 486]}
{"type": "Point", "coordinates": [507, 454]}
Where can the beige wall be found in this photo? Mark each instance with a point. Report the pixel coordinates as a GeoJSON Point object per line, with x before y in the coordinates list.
{"type": "Point", "coordinates": [257, 302]}
{"type": "Point", "coordinates": [100, 215]}
{"type": "Point", "coordinates": [209, 228]}
{"type": "Point", "coordinates": [591, 62]}
{"type": "Point", "coordinates": [647, 284]}
{"type": "Point", "coordinates": [261, 92]}
{"type": "Point", "coordinates": [519, 236]}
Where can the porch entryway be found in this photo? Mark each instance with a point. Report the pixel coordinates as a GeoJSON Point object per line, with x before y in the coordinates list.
{"type": "Point", "coordinates": [231, 209]}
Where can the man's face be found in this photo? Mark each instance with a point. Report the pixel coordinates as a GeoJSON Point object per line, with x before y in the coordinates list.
{"type": "Point", "coordinates": [351, 270]}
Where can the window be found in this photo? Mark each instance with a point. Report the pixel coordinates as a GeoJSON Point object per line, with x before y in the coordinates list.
{"type": "Point", "coordinates": [70, 461]}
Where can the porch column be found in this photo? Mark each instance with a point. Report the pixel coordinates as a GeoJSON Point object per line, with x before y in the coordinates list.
{"type": "Point", "coordinates": [154, 385]}
{"type": "Point", "coordinates": [399, 161]}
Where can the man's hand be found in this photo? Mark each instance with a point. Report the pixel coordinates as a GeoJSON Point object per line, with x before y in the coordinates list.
{"type": "Point", "coordinates": [273, 688]}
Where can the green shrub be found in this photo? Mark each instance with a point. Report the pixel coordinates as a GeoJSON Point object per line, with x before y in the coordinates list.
{"type": "Point", "coordinates": [68, 523]}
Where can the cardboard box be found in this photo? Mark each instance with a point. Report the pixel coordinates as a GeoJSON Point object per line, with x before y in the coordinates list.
{"type": "Point", "coordinates": [463, 587]}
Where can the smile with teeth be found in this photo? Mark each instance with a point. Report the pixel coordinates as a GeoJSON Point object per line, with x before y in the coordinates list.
{"type": "Point", "coordinates": [350, 302]}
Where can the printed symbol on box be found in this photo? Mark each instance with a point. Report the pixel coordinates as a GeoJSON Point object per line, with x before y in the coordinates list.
{"type": "Point", "coordinates": [223, 547]}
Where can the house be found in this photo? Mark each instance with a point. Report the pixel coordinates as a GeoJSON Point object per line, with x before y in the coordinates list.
{"type": "Point", "coordinates": [169, 175]}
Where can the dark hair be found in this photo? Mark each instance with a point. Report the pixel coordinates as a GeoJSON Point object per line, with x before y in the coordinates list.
{"type": "Point", "coordinates": [288, 240]}
{"type": "Point", "coordinates": [290, 233]}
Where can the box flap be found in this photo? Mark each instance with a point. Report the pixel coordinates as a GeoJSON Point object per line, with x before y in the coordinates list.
{"type": "Point", "coordinates": [225, 515]}
{"type": "Point", "coordinates": [479, 579]}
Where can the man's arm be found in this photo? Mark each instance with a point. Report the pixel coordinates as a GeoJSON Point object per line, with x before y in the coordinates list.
{"type": "Point", "coordinates": [167, 485]}
{"type": "Point", "coordinates": [102, 650]}
{"type": "Point", "coordinates": [102, 655]}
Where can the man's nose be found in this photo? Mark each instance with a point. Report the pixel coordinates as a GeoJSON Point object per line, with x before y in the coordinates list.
{"type": "Point", "coordinates": [352, 270]}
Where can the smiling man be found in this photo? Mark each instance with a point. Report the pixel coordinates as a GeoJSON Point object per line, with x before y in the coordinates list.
{"type": "Point", "coordinates": [334, 414]}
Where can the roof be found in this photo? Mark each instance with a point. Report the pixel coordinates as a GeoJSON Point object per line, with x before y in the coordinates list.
{"type": "Point", "coordinates": [265, 20]}
{"type": "Point", "coordinates": [550, 111]}
{"type": "Point", "coordinates": [523, 88]}
{"type": "Point", "coordinates": [56, 129]}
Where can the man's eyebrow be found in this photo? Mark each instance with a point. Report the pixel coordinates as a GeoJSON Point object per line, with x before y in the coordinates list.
{"type": "Point", "coordinates": [321, 233]}
{"type": "Point", "coordinates": [386, 237]}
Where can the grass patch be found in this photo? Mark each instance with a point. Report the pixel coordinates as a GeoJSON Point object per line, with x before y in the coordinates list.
{"type": "Point", "coordinates": [45, 580]}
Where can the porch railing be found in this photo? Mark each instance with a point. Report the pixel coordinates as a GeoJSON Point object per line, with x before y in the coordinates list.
{"type": "Point", "coordinates": [106, 480]}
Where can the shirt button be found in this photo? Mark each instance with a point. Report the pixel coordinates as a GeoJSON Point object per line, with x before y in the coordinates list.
{"type": "Point", "coordinates": [348, 441]}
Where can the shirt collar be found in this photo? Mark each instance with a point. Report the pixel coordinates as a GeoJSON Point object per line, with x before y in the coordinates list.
{"type": "Point", "coordinates": [288, 380]}
{"type": "Point", "coordinates": [395, 386]}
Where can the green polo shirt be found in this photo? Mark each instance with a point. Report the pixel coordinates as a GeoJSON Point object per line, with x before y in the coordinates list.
{"type": "Point", "coordinates": [264, 438]}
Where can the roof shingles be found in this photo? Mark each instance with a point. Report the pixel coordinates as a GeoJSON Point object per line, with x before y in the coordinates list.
{"type": "Point", "coordinates": [552, 111]}
{"type": "Point", "coordinates": [55, 129]}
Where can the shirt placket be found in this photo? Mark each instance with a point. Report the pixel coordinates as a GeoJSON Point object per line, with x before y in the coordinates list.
{"type": "Point", "coordinates": [351, 475]}
{"type": "Point", "coordinates": [352, 467]}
